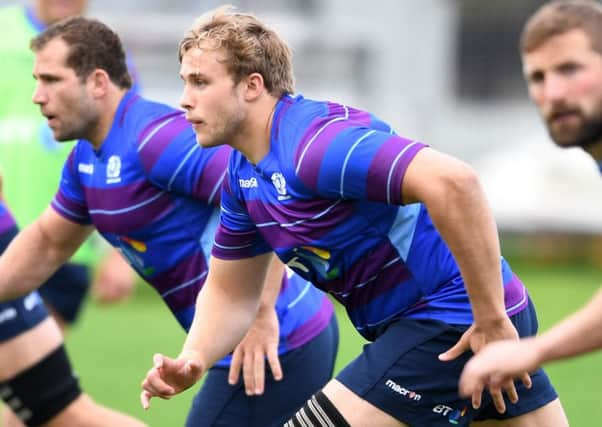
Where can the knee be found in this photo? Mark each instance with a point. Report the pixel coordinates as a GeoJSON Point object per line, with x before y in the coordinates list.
{"type": "Point", "coordinates": [318, 411]}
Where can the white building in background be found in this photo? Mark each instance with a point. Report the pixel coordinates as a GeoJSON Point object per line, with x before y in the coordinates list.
{"type": "Point", "coordinates": [440, 71]}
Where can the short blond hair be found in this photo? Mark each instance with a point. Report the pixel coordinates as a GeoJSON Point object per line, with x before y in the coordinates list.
{"type": "Point", "coordinates": [251, 47]}
{"type": "Point", "coordinates": [558, 17]}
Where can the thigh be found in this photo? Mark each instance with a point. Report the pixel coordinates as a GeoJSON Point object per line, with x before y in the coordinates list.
{"type": "Point", "coordinates": [355, 410]}
{"type": "Point", "coordinates": [400, 374]}
{"type": "Point", "coordinates": [42, 391]}
{"type": "Point", "coordinates": [306, 370]}
{"type": "Point", "coordinates": [549, 415]}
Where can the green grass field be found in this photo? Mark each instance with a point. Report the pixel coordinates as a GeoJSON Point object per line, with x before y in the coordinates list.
{"type": "Point", "coordinates": [112, 347]}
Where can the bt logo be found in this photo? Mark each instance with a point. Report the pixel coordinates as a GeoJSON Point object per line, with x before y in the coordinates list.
{"type": "Point", "coordinates": [453, 415]}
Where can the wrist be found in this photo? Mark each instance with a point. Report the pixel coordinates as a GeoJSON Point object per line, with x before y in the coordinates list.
{"type": "Point", "coordinates": [190, 354]}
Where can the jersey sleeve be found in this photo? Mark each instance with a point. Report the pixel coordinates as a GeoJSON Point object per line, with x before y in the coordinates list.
{"type": "Point", "coordinates": [351, 157]}
{"type": "Point", "coordinates": [69, 201]}
{"type": "Point", "coordinates": [236, 237]}
{"type": "Point", "coordinates": [174, 161]}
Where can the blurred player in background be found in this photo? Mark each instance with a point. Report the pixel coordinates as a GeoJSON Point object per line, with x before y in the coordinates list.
{"type": "Point", "coordinates": [561, 48]}
{"type": "Point", "coordinates": [36, 378]}
{"type": "Point", "coordinates": [138, 176]}
{"type": "Point", "coordinates": [400, 234]}
{"type": "Point", "coordinates": [31, 160]}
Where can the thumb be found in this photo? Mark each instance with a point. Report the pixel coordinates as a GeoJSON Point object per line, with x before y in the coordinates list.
{"type": "Point", "coordinates": [145, 398]}
{"type": "Point", "coordinates": [193, 367]}
{"type": "Point", "coordinates": [158, 360]}
{"type": "Point", "coordinates": [454, 352]}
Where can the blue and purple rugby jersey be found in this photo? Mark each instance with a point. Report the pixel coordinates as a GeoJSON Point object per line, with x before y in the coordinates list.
{"type": "Point", "coordinates": [327, 199]}
{"type": "Point", "coordinates": [153, 192]}
{"type": "Point", "coordinates": [7, 222]}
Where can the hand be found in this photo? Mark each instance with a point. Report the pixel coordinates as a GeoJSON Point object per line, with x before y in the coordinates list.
{"type": "Point", "coordinates": [474, 339]}
{"type": "Point", "coordinates": [498, 363]}
{"type": "Point", "coordinates": [115, 279]}
{"type": "Point", "coordinates": [260, 342]}
{"type": "Point", "coordinates": [169, 377]}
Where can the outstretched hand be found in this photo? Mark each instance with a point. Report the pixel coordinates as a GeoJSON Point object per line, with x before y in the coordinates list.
{"type": "Point", "coordinates": [497, 364]}
{"type": "Point", "coordinates": [474, 339]}
{"type": "Point", "coordinates": [169, 377]}
{"type": "Point", "coordinates": [260, 343]}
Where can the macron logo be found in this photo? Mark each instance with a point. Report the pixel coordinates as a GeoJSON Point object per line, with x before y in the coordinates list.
{"type": "Point", "coordinates": [87, 168]}
{"type": "Point", "coordinates": [403, 391]}
{"type": "Point", "coordinates": [248, 183]}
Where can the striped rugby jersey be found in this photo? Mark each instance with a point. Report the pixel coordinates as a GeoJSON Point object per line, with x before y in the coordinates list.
{"type": "Point", "coordinates": [327, 199]}
{"type": "Point", "coordinates": [153, 193]}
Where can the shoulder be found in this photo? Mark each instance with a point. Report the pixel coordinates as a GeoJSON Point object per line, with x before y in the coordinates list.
{"type": "Point", "coordinates": [151, 120]}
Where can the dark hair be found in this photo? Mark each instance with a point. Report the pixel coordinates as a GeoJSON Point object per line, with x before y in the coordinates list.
{"type": "Point", "coordinates": [558, 17]}
{"type": "Point", "coordinates": [92, 45]}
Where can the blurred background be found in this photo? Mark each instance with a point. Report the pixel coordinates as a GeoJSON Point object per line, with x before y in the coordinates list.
{"type": "Point", "coordinates": [445, 72]}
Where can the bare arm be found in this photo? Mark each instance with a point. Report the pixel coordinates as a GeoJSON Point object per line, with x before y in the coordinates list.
{"type": "Point", "coordinates": [453, 196]}
{"type": "Point", "coordinates": [37, 252]}
{"type": "Point", "coordinates": [497, 363]}
{"type": "Point", "coordinates": [578, 334]}
{"type": "Point", "coordinates": [458, 207]}
{"type": "Point", "coordinates": [262, 339]}
{"type": "Point", "coordinates": [225, 309]}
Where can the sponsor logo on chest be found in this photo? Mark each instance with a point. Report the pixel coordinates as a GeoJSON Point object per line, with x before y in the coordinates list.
{"type": "Point", "coordinates": [87, 168]}
{"type": "Point", "coordinates": [248, 183]}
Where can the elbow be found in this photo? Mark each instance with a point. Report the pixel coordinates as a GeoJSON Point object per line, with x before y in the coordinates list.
{"type": "Point", "coordinates": [461, 185]}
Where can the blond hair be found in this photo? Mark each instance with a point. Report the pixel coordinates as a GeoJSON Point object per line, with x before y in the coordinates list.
{"type": "Point", "coordinates": [250, 47]}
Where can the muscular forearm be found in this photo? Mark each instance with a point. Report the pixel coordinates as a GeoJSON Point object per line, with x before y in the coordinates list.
{"type": "Point", "coordinates": [578, 334]}
{"type": "Point", "coordinates": [219, 327]}
{"type": "Point", "coordinates": [32, 257]}
{"type": "Point", "coordinates": [225, 309]}
{"type": "Point", "coordinates": [273, 284]}
{"type": "Point", "coordinates": [453, 196]}
{"type": "Point", "coordinates": [465, 221]}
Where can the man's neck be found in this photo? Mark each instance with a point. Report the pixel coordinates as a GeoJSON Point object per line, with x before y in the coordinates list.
{"type": "Point", "coordinates": [109, 108]}
{"type": "Point", "coordinates": [595, 150]}
{"type": "Point", "coordinates": [255, 139]}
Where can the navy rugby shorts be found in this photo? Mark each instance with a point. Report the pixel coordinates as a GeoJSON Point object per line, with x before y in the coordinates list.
{"type": "Point", "coordinates": [21, 314]}
{"type": "Point", "coordinates": [306, 370]}
{"type": "Point", "coordinates": [400, 373]}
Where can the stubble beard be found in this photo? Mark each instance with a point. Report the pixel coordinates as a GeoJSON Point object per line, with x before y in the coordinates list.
{"type": "Point", "coordinates": [229, 130]}
{"type": "Point", "coordinates": [587, 133]}
{"type": "Point", "coordinates": [81, 127]}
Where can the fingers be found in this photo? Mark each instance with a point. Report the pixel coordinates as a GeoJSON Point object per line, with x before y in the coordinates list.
{"type": "Point", "coordinates": [158, 361]}
{"type": "Point", "coordinates": [477, 395]}
{"type": "Point", "coordinates": [235, 367]}
{"type": "Point", "coordinates": [145, 398]}
{"type": "Point", "coordinates": [526, 379]}
{"type": "Point", "coordinates": [498, 399]}
{"type": "Point", "coordinates": [248, 373]}
{"type": "Point", "coordinates": [454, 352]}
{"type": "Point", "coordinates": [259, 372]}
{"type": "Point", "coordinates": [154, 385]}
{"type": "Point", "coordinates": [510, 390]}
{"type": "Point", "coordinates": [274, 362]}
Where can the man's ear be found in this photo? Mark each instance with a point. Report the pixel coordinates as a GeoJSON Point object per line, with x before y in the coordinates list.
{"type": "Point", "coordinates": [98, 82]}
{"type": "Point", "coordinates": [254, 86]}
